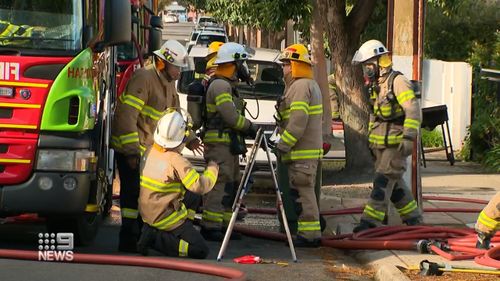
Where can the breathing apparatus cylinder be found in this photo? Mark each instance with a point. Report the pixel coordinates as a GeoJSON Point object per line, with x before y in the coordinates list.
{"type": "Point", "coordinates": [195, 103]}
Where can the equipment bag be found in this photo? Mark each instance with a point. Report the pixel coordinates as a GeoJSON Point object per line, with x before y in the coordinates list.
{"type": "Point", "coordinates": [196, 103]}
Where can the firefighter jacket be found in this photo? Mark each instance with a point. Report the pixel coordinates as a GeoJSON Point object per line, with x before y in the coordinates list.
{"type": "Point", "coordinates": [396, 112]}
{"type": "Point", "coordinates": [299, 118]}
{"type": "Point", "coordinates": [224, 112]}
{"type": "Point", "coordinates": [165, 177]}
{"type": "Point", "coordinates": [142, 104]}
{"type": "Point", "coordinates": [8, 29]}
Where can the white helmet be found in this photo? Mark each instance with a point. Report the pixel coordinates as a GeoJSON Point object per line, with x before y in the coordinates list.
{"type": "Point", "coordinates": [368, 50]}
{"type": "Point", "coordinates": [230, 52]}
{"type": "Point", "coordinates": [171, 130]}
{"type": "Point", "coordinates": [173, 52]}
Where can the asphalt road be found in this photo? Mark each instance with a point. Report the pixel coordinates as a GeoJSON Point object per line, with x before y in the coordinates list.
{"type": "Point", "coordinates": [314, 264]}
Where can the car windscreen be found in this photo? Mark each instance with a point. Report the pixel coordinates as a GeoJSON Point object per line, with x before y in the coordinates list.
{"type": "Point", "coordinates": [268, 80]}
{"type": "Point", "coordinates": [41, 25]}
{"type": "Point", "coordinates": [207, 20]}
{"type": "Point", "coordinates": [205, 40]}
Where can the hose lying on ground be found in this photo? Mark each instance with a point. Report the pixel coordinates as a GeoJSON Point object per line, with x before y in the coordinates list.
{"type": "Point", "coordinates": [438, 240]}
{"type": "Point", "coordinates": [422, 238]}
{"type": "Point", "coordinates": [153, 262]}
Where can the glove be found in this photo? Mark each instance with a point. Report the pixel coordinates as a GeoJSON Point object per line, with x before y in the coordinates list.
{"type": "Point", "coordinates": [406, 147]}
{"type": "Point", "coordinates": [326, 148]}
{"type": "Point", "coordinates": [252, 131]}
{"type": "Point", "coordinates": [270, 144]}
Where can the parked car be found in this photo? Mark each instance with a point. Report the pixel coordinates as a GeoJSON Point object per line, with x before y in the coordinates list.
{"type": "Point", "coordinates": [206, 21]}
{"type": "Point", "coordinates": [204, 38]}
{"type": "Point", "coordinates": [171, 18]}
{"type": "Point", "coordinates": [260, 100]}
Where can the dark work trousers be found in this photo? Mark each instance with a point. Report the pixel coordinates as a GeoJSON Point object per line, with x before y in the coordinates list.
{"type": "Point", "coordinates": [185, 240]}
{"type": "Point", "coordinates": [129, 195]}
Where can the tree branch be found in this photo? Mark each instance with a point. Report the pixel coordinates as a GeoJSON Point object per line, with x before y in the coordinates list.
{"type": "Point", "coordinates": [359, 16]}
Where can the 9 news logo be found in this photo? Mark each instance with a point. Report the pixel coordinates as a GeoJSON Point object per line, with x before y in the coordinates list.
{"type": "Point", "coordinates": [55, 246]}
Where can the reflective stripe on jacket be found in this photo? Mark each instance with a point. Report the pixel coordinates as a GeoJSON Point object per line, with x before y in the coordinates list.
{"type": "Point", "coordinates": [139, 108]}
{"type": "Point", "coordinates": [299, 116]}
{"type": "Point", "coordinates": [224, 112]}
{"type": "Point", "coordinates": [390, 121]}
{"type": "Point", "coordinates": [165, 177]}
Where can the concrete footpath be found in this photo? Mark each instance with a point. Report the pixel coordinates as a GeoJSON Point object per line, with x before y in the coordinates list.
{"type": "Point", "coordinates": [463, 180]}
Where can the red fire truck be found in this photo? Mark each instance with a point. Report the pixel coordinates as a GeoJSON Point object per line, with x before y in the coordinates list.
{"type": "Point", "coordinates": [58, 84]}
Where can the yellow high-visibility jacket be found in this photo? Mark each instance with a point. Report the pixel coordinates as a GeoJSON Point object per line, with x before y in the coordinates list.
{"type": "Point", "coordinates": [299, 116]}
{"type": "Point", "coordinates": [390, 122]}
{"type": "Point", "coordinates": [144, 101]}
{"type": "Point", "coordinates": [165, 177]}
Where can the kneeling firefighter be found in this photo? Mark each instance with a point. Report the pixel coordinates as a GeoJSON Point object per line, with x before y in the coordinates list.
{"type": "Point", "coordinates": [300, 146]}
{"type": "Point", "coordinates": [170, 187]}
{"type": "Point", "coordinates": [225, 128]}
{"type": "Point", "coordinates": [392, 129]}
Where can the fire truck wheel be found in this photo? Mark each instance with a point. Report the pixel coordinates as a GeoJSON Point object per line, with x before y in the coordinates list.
{"type": "Point", "coordinates": [84, 227]}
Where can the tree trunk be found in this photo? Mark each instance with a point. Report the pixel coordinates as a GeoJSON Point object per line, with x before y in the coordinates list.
{"type": "Point", "coordinates": [275, 39]}
{"type": "Point", "coordinates": [265, 38]}
{"type": "Point", "coordinates": [253, 37]}
{"type": "Point", "coordinates": [343, 37]}
{"type": "Point", "coordinates": [241, 34]}
{"type": "Point", "coordinates": [320, 75]}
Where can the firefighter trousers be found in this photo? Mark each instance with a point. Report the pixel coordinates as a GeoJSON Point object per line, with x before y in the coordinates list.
{"type": "Point", "coordinates": [184, 241]}
{"type": "Point", "coordinates": [218, 202]}
{"type": "Point", "coordinates": [302, 179]}
{"type": "Point", "coordinates": [488, 221]}
{"type": "Point", "coordinates": [129, 195]}
{"type": "Point", "coordinates": [389, 185]}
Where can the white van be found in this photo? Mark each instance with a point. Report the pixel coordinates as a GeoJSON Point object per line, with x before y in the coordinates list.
{"type": "Point", "coordinates": [260, 98]}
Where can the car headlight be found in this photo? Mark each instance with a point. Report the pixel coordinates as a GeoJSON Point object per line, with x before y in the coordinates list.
{"type": "Point", "coordinates": [65, 160]}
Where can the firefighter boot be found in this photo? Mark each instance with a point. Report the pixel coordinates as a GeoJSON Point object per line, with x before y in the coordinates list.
{"type": "Point", "coordinates": [483, 240]}
{"type": "Point", "coordinates": [303, 242]}
{"type": "Point", "coordinates": [212, 234]}
{"type": "Point", "coordinates": [127, 242]}
{"type": "Point", "coordinates": [147, 239]}
{"type": "Point", "coordinates": [129, 235]}
{"type": "Point", "coordinates": [413, 221]}
{"type": "Point", "coordinates": [363, 225]}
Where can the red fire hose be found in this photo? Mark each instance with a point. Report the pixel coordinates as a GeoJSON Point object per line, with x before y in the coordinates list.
{"type": "Point", "coordinates": [162, 263]}
{"type": "Point", "coordinates": [461, 241]}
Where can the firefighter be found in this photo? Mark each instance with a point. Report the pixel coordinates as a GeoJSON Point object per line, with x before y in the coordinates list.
{"type": "Point", "coordinates": [224, 127]}
{"type": "Point", "coordinates": [392, 128]}
{"type": "Point", "coordinates": [169, 188]}
{"type": "Point", "coordinates": [299, 116]}
{"type": "Point", "coordinates": [213, 48]}
{"type": "Point", "coordinates": [334, 99]}
{"type": "Point", "coordinates": [150, 91]}
{"type": "Point", "coordinates": [488, 222]}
